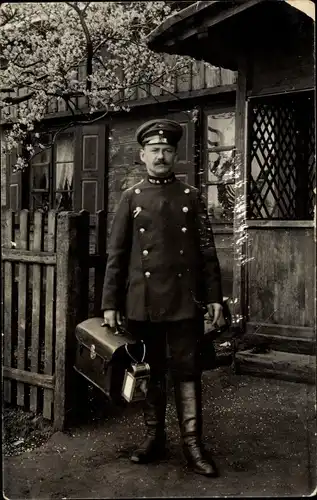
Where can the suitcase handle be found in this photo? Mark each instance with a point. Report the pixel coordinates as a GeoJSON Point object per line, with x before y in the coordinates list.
{"type": "Point", "coordinates": [133, 359]}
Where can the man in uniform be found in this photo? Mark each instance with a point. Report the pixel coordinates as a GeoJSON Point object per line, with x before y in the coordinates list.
{"type": "Point", "coordinates": [163, 275]}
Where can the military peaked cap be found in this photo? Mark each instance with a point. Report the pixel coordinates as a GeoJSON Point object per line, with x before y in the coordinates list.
{"type": "Point", "coordinates": [159, 132]}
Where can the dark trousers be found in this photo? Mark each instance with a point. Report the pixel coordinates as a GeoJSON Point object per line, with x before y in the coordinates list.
{"type": "Point", "coordinates": [171, 345]}
{"type": "Point", "coordinates": [174, 346]}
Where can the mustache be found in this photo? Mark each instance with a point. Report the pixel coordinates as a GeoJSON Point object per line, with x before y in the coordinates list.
{"type": "Point", "coordinates": [160, 163]}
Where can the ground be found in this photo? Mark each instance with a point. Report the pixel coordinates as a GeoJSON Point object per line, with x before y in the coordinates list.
{"type": "Point", "coordinates": [261, 433]}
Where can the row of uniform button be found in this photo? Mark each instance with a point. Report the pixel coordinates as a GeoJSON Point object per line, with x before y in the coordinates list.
{"type": "Point", "coordinates": [142, 230]}
{"type": "Point", "coordinates": [147, 274]}
{"type": "Point", "coordinates": [139, 209]}
{"type": "Point", "coordinates": [138, 191]}
{"type": "Point", "coordinates": [146, 252]}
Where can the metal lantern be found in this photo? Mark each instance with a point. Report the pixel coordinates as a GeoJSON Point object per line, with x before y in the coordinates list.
{"type": "Point", "coordinates": [135, 382]}
{"type": "Point", "coordinates": [136, 379]}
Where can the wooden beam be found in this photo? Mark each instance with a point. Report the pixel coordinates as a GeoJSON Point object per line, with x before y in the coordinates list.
{"type": "Point", "coordinates": [65, 235]}
{"type": "Point", "coordinates": [278, 365]}
{"type": "Point", "coordinates": [210, 21]}
{"type": "Point", "coordinates": [38, 379]}
{"type": "Point", "coordinates": [28, 256]}
{"type": "Point", "coordinates": [279, 90]}
{"type": "Point", "coordinates": [283, 343]}
{"type": "Point", "coordinates": [49, 316]}
{"type": "Point", "coordinates": [269, 224]}
{"type": "Point", "coordinates": [8, 301]}
{"type": "Point", "coordinates": [303, 332]}
{"type": "Point", "coordinates": [190, 94]}
{"type": "Point", "coordinates": [180, 96]}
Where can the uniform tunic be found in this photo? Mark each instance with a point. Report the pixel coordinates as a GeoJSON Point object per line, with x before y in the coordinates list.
{"type": "Point", "coordinates": [162, 263]}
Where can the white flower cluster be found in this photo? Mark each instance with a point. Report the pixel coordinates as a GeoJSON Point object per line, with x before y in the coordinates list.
{"type": "Point", "coordinates": [94, 51]}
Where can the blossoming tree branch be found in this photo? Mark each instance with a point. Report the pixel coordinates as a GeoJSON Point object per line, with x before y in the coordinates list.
{"type": "Point", "coordinates": [75, 51]}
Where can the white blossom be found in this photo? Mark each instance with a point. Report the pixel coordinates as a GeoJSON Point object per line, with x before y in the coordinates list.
{"type": "Point", "coordinates": [46, 50]}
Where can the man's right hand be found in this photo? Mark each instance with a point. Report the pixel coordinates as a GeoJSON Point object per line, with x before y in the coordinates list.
{"type": "Point", "coordinates": [111, 318]}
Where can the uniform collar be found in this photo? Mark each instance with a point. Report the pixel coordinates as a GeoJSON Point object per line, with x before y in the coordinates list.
{"type": "Point", "coordinates": [161, 180]}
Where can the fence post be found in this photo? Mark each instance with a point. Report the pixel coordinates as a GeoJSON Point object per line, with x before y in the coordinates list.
{"type": "Point", "coordinates": [72, 252]}
{"type": "Point", "coordinates": [38, 234]}
{"type": "Point", "coordinates": [100, 250]}
{"type": "Point", "coordinates": [22, 306]}
{"type": "Point", "coordinates": [8, 236]}
{"type": "Point", "coordinates": [49, 314]}
{"type": "Point", "coordinates": [83, 256]}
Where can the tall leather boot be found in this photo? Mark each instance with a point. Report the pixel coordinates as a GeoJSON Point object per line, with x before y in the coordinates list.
{"type": "Point", "coordinates": [153, 447]}
{"type": "Point", "coordinates": [189, 410]}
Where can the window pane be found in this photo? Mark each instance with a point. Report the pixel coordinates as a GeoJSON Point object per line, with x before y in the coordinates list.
{"type": "Point", "coordinates": [272, 190]}
{"type": "Point", "coordinates": [65, 148]}
{"type": "Point", "coordinates": [64, 201]}
{"type": "Point", "coordinates": [221, 202]}
{"type": "Point", "coordinates": [221, 166]}
{"type": "Point", "coordinates": [64, 176]}
{"type": "Point", "coordinates": [40, 177]}
{"type": "Point", "coordinates": [43, 156]}
{"type": "Point", "coordinates": [40, 201]}
{"type": "Point", "coordinates": [14, 197]}
{"type": "Point", "coordinates": [221, 129]}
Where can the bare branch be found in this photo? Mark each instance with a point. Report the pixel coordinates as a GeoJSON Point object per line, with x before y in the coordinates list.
{"type": "Point", "coordinates": [29, 65]}
{"type": "Point", "coordinates": [8, 19]}
{"type": "Point", "coordinates": [168, 91]}
{"type": "Point", "coordinates": [17, 100]}
{"type": "Point", "coordinates": [89, 44]}
{"type": "Point", "coordinates": [85, 8]}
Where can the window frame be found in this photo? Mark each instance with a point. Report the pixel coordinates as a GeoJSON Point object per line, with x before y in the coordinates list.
{"type": "Point", "coordinates": [52, 173]}
{"type": "Point", "coordinates": [267, 99]}
{"type": "Point", "coordinates": [205, 183]}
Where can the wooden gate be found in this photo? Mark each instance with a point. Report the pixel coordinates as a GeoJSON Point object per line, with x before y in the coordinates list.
{"type": "Point", "coordinates": [45, 293]}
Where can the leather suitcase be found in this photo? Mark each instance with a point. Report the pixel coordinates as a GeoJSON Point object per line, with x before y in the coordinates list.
{"type": "Point", "coordinates": [101, 356]}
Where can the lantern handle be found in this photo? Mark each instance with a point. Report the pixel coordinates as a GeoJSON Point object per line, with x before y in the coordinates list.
{"type": "Point", "coordinates": [127, 351]}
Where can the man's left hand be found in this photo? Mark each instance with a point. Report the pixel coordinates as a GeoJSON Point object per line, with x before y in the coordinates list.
{"type": "Point", "coordinates": [214, 311]}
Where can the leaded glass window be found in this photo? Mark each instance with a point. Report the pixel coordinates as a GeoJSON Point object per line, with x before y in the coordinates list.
{"type": "Point", "coordinates": [281, 158]}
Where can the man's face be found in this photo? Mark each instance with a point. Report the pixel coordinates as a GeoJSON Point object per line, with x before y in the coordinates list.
{"type": "Point", "coordinates": [159, 159]}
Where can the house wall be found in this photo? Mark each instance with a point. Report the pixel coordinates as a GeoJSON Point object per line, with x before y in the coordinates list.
{"type": "Point", "coordinates": [279, 275]}
{"type": "Point", "coordinates": [284, 68]}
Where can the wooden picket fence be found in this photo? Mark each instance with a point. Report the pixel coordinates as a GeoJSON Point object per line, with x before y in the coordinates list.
{"type": "Point", "coordinates": [46, 269]}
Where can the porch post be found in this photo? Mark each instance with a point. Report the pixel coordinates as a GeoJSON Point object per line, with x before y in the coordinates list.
{"type": "Point", "coordinates": [239, 237]}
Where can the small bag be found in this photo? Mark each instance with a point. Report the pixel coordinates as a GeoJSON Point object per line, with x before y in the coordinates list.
{"type": "Point", "coordinates": [136, 379]}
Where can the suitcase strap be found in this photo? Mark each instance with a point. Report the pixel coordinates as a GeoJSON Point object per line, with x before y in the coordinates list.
{"type": "Point", "coordinates": [133, 359]}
